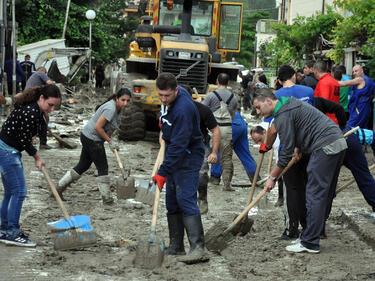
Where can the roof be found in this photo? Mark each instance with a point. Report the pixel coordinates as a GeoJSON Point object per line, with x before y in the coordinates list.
{"type": "Point", "coordinates": [39, 44]}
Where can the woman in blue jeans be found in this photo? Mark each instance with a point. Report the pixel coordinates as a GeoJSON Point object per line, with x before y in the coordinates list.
{"type": "Point", "coordinates": [15, 136]}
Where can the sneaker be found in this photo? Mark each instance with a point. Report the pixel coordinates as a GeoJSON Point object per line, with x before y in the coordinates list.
{"type": "Point", "coordinates": [299, 248]}
{"type": "Point", "coordinates": [44, 146]}
{"type": "Point", "coordinates": [296, 241]}
{"type": "Point", "coordinates": [19, 240]}
{"type": "Point", "coordinates": [2, 237]}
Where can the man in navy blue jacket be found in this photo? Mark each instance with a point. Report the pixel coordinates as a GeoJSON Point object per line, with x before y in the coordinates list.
{"type": "Point", "coordinates": [179, 119]}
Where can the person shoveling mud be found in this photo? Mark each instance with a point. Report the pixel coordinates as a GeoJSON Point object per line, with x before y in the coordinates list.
{"type": "Point", "coordinates": [16, 136]}
{"type": "Point", "coordinates": [98, 130]}
{"type": "Point", "coordinates": [302, 126]}
{"type": "Point", "coordinates": [180, 169]}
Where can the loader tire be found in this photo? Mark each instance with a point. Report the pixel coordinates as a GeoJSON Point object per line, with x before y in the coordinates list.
{"type": "Point", "coordinates": [133, 125]}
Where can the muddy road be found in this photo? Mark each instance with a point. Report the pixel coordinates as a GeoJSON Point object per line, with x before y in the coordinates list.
{"type": "Point", "coordinates": [347, 253]}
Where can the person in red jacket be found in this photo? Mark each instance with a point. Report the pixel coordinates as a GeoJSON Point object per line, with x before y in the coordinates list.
{"type": "Point", "coordinates": [327, 87]}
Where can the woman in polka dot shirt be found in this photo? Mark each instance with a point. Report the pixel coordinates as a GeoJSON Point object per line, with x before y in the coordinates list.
{"type": "Point", "coordinates": [15, 136]}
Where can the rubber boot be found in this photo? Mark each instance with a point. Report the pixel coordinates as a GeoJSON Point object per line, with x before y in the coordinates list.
{"type": "Point", "coordinates": [227, 179]}
{"type": "Point", "coordinates": [176, 235]}
{"type": "Point", "coordinates": [194, 230]}
{"type": "Point", "coordinates": [104, 185]}
{"type": "Point", "coordinates": [202, 193]}
{"type": "Point", "coordinates": [69, 177]}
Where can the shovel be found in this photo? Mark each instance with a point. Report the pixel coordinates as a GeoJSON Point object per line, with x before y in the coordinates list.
{"type": "Point", "coordinates": [76, 231]}
{"type": "Point", "coordinates": [218, 236]}
{"type": "Point", "coordinates": [62, 142]}
{"type": "Point", "coordinates": [146, 189]}
{"type": "Point", "coordinates": [126, 184]}
{"type": "Point", "coordinates": [150, 254]}
{"type": "Point", "coordinates": [245, 225]}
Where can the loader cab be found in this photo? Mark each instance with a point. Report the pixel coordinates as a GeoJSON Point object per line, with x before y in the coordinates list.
{"type": "Point", "coordinates": [201, 16]}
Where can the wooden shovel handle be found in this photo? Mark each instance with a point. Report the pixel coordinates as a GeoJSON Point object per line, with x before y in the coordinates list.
{"type": "Point", "coordinates": [118, 159]}
{"type": "Point", "coordinates": [269, 167]}
{"type": "Point", "coordinates": [351, 131]}
{"type": "Point", "coordinates": [57, 196]}
{"type": "Point", "coordinates": [259, 165]}
{"type": "Point", "coordinates": [259, 196]}
{"type": "Point", "coordinates": [257, 171]}
{"type": "Point", "coordinates": [158, 162]}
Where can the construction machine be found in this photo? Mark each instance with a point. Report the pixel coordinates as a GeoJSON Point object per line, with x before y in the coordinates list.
{"type": "Point", "coordinates": [189, 39]}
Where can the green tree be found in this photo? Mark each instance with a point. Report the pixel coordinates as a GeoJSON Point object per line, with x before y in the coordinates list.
{"type": "Point", "coordinates": [299, 40]}
{"type": "Point", "coordinates": [44, 19]}
{"type": "Point", "coordinates": [246, 54]}
{"type": "Point", "coordinates": [356, 29]}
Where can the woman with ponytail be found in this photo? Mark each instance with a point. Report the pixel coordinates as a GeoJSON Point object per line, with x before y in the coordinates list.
{"type": "Point", "coordinates": [16, 135]}
{"type": "Point", "coordinates": [98, 130]}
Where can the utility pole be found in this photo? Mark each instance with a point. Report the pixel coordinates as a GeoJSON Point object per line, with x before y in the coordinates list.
{"type": "Point", "coordinates": [66, 19]}
{"type": "Point", "coordinates": [14, 43]}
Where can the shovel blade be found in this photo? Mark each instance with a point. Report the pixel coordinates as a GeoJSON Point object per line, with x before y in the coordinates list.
{"type": "Point", "coordinates": [82, 222]}
{"type": "Point", "coordinates": [125, 188]}
{"type": "Point", "coordinates": [75, 239]}
{"type": "Point", "coordinates": [215, 240]}
{"type": "Point", "coordinates": [146, 192]}
{"type": "Point", "coordinates": [243, 227]}
{"type": "Point", "coordinates": [149, 255]}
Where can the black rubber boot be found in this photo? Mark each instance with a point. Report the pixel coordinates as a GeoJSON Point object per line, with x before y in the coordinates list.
{"type": "Point", "coordinates": [194, 230]}
{"type": "Point", "coordinates": [176, 235]}
{"type": "Point", "coordinates": [202, 193]}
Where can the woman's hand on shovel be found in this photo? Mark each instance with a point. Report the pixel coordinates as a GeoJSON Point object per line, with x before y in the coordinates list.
{"type": "Point", "coordinates": [39, 163]}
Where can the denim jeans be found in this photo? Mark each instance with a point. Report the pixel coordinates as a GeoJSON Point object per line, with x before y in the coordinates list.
{"type": "Point", "coordinates": [13, 179]}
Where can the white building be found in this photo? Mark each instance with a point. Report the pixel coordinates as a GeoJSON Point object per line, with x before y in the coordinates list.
{"type": "Point", "coordinates": [264, 34]}
{"type": "Point", "coordinates": [291, 9]}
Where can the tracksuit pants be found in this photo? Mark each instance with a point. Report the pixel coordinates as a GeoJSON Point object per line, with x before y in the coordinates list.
{"type": "Point", "coordinates": [323, 171]}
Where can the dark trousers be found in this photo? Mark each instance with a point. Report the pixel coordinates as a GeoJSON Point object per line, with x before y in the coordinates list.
{"type": "Point", "coordinates": [92, 152]}
{"type": "Point", "coordinates": [323, 171]}
{"type": "Point", "coordinates": [355, 160]}
{"type": "Point", "coordinates": [182, 187]}
{"type": "Point", "coordinates": [295, 180]}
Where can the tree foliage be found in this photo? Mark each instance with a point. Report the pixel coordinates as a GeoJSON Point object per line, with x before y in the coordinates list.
{"type": "Point", "coordinates": [356, 30]}
{"type": "Point", "coordinates": [299, 40]}
{"type": "Point", "coordinates": [44, 19]}
{"type": "Point", "coordinates": [246, 55]}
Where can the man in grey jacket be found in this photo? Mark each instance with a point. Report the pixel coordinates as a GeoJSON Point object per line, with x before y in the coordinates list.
{"type": "Point", "coordinates": [304, 129]}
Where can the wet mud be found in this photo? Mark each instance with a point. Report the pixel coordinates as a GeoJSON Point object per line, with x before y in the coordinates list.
{"type": "Point", "coordinates": [347, 253]}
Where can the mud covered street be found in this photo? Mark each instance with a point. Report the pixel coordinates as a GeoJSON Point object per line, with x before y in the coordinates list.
{"type": "Point", "coordinates": [347, 253]}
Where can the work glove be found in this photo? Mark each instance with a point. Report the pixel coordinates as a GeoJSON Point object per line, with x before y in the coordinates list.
{"type": "Point", "coordinates": [113, 145]}
{"type": "Point", "coordinates": [263, 148]}
{"type": "Point", "coordinates": [160, 180]}
{"type": "Point", "coordinates": [8, 101]}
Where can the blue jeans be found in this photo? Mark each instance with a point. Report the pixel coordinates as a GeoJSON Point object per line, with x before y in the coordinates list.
{"type": "Point", "coordinates": [13, 179]}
